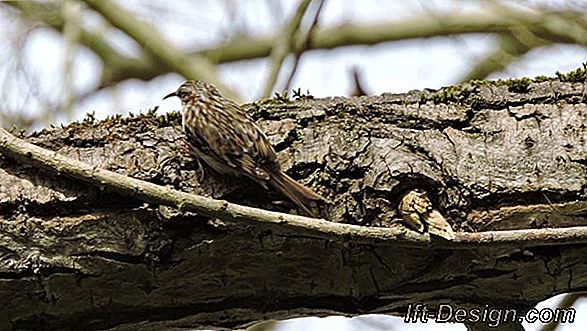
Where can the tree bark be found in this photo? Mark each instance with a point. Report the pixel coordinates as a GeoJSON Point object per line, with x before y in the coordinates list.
{"type": "Point", "coordinates": [491, 155]}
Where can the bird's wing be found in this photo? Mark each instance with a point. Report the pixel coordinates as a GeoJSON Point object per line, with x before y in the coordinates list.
{"type": "Point", "coordinates": [243, 147]}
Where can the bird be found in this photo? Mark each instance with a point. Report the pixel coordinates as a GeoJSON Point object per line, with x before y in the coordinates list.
{"type": "Point", "coordinates": [220, 133]}
{"type": "Point", "coordinates": [419, 214]}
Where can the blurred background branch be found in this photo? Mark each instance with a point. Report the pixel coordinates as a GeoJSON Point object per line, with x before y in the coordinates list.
{"type": "Point", "coordinates": [136, 41]}
{"type": "Point", "coordinates": [156, 46]}
{"type": "Point", "coordinates": [284, 44]}
{"type": "Point", "coordinates": [71, 33]}
{"type": "Point", "coordinates": [304, 43]}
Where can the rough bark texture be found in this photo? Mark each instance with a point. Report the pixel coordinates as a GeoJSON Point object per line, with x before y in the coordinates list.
{"type": "Point", "coordinates": [491, 155]}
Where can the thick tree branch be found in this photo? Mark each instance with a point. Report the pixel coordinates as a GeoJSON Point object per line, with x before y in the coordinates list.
{"type": "Point", "coordinates": [244, 48]}
{"type": "Point", "coordinates": [504, 162]}
{"type": "Point", "coordinates": [300, 225]}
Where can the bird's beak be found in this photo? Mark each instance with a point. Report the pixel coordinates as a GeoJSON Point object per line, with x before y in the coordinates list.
{"type": "Point", "coordinates": [173, 94]}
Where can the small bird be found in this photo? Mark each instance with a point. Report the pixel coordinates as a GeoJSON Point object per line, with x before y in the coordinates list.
{"type": "Point", "coordinates": [418, 213]}
{"type": "Point", "coordinates": [225, 137]}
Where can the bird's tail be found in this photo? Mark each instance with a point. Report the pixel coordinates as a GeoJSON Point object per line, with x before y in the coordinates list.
{"type": "Point", "coordinates": [298, 193]}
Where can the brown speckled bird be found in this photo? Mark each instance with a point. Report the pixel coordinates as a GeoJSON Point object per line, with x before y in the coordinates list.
{"type": "Point", "coordinates": [224, 136]}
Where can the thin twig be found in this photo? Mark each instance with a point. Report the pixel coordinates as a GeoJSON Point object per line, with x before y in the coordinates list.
{"type": "Point", "coordinates": [71, 33]}
{"type": "Point", "coordinates": [511, 50]}
{"type": "Point", "coordinates": [284, 224]}
{"type": "Point", "coordinates": [304, 44]}
{"type": "Point", "coordinates": [191, 67]}
{"type": "Point", "coordinates": [118, 67]}
{"type": "Point", "coordinates": [358, 89]}
{"type": "Point", "coordinates": [283, 46]}
{"type": "Point", "coordinates": [53, 17]}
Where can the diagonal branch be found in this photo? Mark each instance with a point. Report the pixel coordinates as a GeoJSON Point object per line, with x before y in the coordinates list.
{"type": "Point", "coordinates": [28, 153]}
{"type": "Point", "coordinates": [568, 301]}
{"type": "Point", "coordinates": [191, 67]}
{"type": "Point", "coordinates": [284, 43]}
{"type": "Point", "coordinates": [511, 49]}
{"type": "Point", "coordinates": [117, 67]}
{"type": "Point", "coordinates": [303, 44]}
{"type": "Point", "coordinates": [53, 17]}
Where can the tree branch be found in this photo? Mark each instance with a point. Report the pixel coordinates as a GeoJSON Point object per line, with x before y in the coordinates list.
{"type": "Point", "coordinates": [512, 48]}
{"type": "Point", "coordinates": [90, 250]}
{"type": "Point", "coordinates": [149, 192]}
{"type": "Point", "coordinates": [564, 27]}
{"type": "Point", "coordinates": [191, 67]}
{"type": "Point", "coordinates": [303, 44]}
{"type": "Point", "coordinates": [246, 48]}
{"type": "Point", "coordinates": [71, 32]}
{"type": "Point", "coordinates": [567, 302]}
{"type": "Point", "coordinates": [284, 43]}
{"type": "Point", "coordinates": [53, 17]}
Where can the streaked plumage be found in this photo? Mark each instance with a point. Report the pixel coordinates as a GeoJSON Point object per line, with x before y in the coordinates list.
{"type": "Point", "coordinates": [226, 138]}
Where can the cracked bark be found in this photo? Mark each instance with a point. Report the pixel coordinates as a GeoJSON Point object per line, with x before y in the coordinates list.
{"type": "Point", "coordinates": [74, 256]}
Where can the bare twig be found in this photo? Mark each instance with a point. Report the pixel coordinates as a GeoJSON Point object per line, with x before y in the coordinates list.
{"type": "Point", "coordinates": [511, 49]}
{"type": "Point", "coordinates": [118, 67]}
{"type": "Point", "coordinates": [283, 46]}
{"type": "Point", "coordinates": [282, 223]}
{"type": "Point", "coordinates": [567, 302]}
{"type": "Point", "coordinates": [191, 67]}
{"type": "Point", "coordinates": [71, 33]}
{"type": "Point", "coordinates": [303, 44]}
{"type": "Point", "coordinates": [358, 89]}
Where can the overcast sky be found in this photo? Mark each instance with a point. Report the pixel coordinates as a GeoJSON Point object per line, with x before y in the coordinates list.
{"type": "Point", "coordinates": [392, 67]}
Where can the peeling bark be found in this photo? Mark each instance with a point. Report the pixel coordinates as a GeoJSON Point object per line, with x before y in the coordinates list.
{"type": "Point", "coordinates": [73, 256]}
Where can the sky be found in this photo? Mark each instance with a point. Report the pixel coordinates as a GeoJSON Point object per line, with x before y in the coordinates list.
{"type": "Point", "coordinates": [393, 67]}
